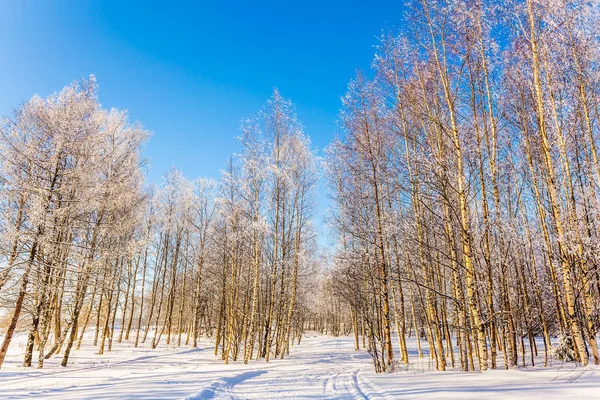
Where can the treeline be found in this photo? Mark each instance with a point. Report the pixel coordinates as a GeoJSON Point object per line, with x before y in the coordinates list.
{"type": "Point", "coordinates": [86, 248]}
{"type": "Point", "coordinates": [466, 185]}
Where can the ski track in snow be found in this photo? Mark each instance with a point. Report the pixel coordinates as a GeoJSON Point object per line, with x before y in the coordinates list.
{"type": "Point", "coordinates": [321, 367]}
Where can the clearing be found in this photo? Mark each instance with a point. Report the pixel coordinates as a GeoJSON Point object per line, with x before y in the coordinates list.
{"type": "Point", "coordinates": [322, 367]}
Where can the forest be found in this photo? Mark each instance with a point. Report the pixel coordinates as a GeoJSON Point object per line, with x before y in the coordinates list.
{"type": "Point", "coordinates": [465, 198]}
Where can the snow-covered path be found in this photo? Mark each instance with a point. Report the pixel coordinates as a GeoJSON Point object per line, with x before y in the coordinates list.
{"type": "Point", "coordinates": [320, 368]}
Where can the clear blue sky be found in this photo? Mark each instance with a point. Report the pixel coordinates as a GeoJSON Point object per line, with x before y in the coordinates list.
{"type": "Point", "coordinates": [190, 71]}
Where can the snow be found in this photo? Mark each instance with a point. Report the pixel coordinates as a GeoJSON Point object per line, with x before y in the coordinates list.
{"type": "Point", "coordinates": [321, 367]}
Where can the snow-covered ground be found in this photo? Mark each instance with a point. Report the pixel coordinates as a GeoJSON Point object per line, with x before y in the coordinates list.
{"type": "Point", "coordinates": [321, 367]}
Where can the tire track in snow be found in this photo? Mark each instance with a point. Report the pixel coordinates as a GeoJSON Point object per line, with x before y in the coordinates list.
{"type": "Point", "coordinates": [356, 385]}
{"type": "Point", "coordinates": [223, 387]}
{"type": "Point", "coordinates": [371, 392]}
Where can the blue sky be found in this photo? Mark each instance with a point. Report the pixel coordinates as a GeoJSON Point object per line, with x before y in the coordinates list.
{"type": "Point", "coordinates": [190, 71]}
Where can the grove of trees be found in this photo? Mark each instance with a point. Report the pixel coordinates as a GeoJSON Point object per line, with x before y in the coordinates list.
{"type": "Point", "coordinates": [465, 205]}
{"type": "Point", "coordinates": [87, 248]}
{"type": "Point", "coordinates": [466, 185]}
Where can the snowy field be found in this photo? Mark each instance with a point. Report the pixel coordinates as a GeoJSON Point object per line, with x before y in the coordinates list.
{"type": "Point", "coordinates": [321, 367]}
